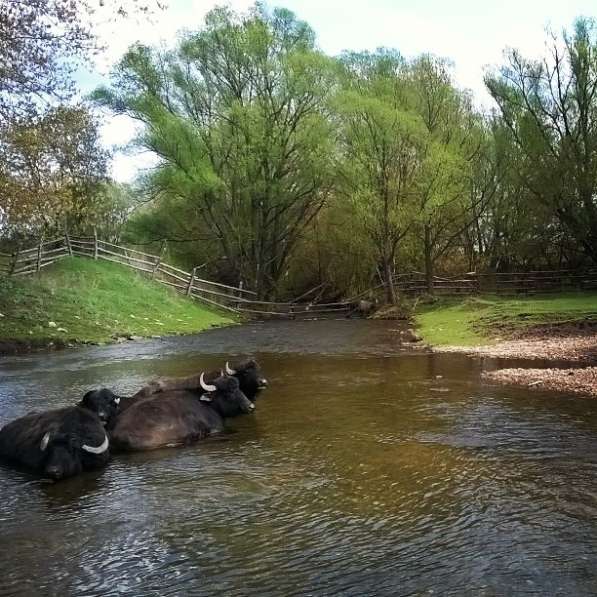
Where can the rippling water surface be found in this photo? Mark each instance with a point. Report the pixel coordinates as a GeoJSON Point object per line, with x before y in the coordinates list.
{"type": "Point", "coordinates": [367, 470]}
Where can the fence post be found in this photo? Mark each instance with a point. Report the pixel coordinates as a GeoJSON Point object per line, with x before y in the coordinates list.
{"type": "Point", "coordinates": [95, 249]}
{"type": "Point", "coordinates": [240, 294]}
{"type": "Point", "coordinates": [39, 252]}
{"type": "Point", "coordinates": [14, 262]}
{"type": "Point", "coordinates": [156, 266]}
{"type": "Point", "coordinates": [191, 280]}
{"type": "Point", "coordinates": [158, 260]}
{"type": "Point", "coordinates": [67, 240]}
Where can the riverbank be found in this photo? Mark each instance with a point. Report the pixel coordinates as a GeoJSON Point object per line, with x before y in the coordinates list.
{"type": "Point", "coordinates": [80, 301]}
{"type": "Point", "coordinates": [487, 320]}
{"type": "Point", "coordinates": [581, 381]}
{"type": "Point", "coordinates": [552, 328]}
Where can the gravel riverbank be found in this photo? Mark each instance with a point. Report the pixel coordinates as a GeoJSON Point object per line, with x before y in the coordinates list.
{"type": "Point", "coordinates": [580, 349]}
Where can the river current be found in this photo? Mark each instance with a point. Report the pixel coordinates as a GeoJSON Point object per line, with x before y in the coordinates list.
{"type": "Point", "coordinates": [367, 469]}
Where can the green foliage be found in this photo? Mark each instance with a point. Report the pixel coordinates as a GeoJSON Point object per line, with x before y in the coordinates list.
{"type": "Point", "coordinates": [237, 115]}
{"type": "Point", "coordinates": [95, 301]}
{"type": "Point", "coordinates": [549, 109]}
{"type": "Point", "coordinates": [383, 142]}
{"type": "Point", "coordinates": [284, 168]}
{"type": "Point", "coordinates": [52, 168]}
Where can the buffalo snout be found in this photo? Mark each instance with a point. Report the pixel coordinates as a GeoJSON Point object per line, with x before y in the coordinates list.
{"type": "Point", "coordinates": [54, 472]}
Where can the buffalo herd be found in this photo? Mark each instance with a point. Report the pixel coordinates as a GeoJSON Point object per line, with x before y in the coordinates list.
{"type": "Point", "coordinates": [167, 412]}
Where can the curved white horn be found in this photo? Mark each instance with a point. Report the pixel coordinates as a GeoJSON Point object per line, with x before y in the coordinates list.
{"type": "Point", "coordinates": [99, 450]}
{"type": "Point", "coordinates": [44, 441]}
{"type": "Point", "coordinates": [207, 387]}
{"type": "Point", "coordinates": [229, 370]}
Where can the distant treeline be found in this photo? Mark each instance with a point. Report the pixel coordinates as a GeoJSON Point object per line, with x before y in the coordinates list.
{"type": "Point", "coordinates": [281, 167]}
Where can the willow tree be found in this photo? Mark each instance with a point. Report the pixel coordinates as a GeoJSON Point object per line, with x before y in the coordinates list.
{"type": "Point", "coordinates": [550, 109]}
{"type": "Point", "coordinates": [454, 138]}
{"type": "Point", "coordinates": [237, 117]}
{"type": "Point", "coordinates": [383, 144]}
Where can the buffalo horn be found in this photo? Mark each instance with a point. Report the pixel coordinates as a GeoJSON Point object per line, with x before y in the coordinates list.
{"type": "Point", "coordinates": [207, 387]}
{"type": "Point", "coordinates": [100, 449]}
{"type": "Point", "coordinates": [229, 370]}
{"type": "Point", "coordinates": [44, 441]}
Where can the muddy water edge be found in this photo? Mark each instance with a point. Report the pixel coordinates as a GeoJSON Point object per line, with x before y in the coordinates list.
{"type": "Point", "coordinates": [368, 469]}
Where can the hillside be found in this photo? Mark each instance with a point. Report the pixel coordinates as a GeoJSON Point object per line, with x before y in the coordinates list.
{"type": "Point", "coordinates": [80, 301]}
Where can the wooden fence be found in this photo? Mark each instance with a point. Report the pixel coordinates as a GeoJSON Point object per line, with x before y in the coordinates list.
{"type": "Point", "coordinates": [242, 300]}
{"type": "Point", "coordinates": [221, 296]}
{"type": "Point", "coordinates": [532, 282]}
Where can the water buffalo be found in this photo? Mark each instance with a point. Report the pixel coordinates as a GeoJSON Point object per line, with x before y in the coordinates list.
{"type": "Point", "coordinates": [62, 442]}
{"type": "Point", "coordinates": [247, 372]}
{"type": "Point", "coordinates": [179, 417]}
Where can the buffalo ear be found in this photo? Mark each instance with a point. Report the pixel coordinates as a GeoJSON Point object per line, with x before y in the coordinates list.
{"type": "Point", "coordinates": [86, 398]}
{"type": "Point", "coordinates": [45, 440]}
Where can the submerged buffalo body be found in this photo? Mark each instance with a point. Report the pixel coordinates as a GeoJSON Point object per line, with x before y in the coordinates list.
{"type": "Point", "coordinates": [247, 372]}
{"type": "Point", "coordinates": [179, 417]}
{"type": "Point", "coordinates": [63, 442]}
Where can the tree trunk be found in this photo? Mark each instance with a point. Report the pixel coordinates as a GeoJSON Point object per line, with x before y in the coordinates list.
{"type": "Point", "coordinates": [428, 260]}
{"type": "Point", "coordinates": [388, 274]}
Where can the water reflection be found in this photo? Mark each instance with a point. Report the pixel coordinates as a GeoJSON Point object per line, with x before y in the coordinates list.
{"type": "Point", "coordinates": [367, 470]}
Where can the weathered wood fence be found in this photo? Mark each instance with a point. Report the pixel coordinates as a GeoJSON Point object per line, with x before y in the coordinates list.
{"type": "Point", "coordinates": [532, 282]}
{"type": "Point", "coordinates": [221, 296]}
{"type": "Point", "coordinates": [242, 300]}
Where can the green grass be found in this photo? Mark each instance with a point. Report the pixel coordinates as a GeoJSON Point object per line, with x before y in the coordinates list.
{"type": "Point", "coordinates": [95, 301]}
{"type": "Point", "coordinates": [483, 320]}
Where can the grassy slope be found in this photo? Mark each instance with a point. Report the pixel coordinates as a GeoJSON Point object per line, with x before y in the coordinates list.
{"type": "Point", "coordinates": [95, 301]}
{"type": "Point", "coordinates": [476, 321]}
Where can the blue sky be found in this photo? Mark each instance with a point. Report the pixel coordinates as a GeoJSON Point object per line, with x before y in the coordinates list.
{"type": "Point", "coordinates": [473, 34]}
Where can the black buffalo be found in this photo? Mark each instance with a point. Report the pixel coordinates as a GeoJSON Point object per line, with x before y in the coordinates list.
{"type": "Point", "coordinates": [248, 373]}
{"type": "Point", "coordinates": [179, 417]}
{"type": "Point", "coordinates": [63, 442]}
{"type": "Point", "coordinates": [249, 377]}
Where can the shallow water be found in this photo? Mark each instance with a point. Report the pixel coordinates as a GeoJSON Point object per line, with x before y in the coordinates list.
{"type": "Point", "coordinates": [366, 470]}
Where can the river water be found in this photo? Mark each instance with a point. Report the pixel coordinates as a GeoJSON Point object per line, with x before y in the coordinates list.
{"type": "Point", "coordinates": [366, 470]}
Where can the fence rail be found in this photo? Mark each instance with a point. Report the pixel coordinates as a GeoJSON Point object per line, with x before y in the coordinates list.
{"type": "Point", "coordinates": [242, 300]}
{"type": "Point", "coordinates": [532, 282]}
{"type": "Point", "coordinates": [223, 296]}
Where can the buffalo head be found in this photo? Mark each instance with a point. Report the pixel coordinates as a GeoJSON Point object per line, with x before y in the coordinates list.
{"type": "Point", "coordinates": [66, 454]}
{"type": "Point", "coordinates": [249, 376]}
{"type": "Point", "coordinates": [104, 403]}
{"type": "Point", "coordinates": [225, 397]}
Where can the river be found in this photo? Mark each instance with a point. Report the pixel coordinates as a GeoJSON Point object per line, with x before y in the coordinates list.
{"type": "Point", "coordinates": [367, 469]}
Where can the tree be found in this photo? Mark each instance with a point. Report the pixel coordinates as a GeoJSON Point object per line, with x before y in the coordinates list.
{"type": "Point", "coordinates": [550, 108]}
{"type": "Point", "coordinates": [453, 129]}
{"type": "Point", "coordinates": [50, 169]}
{"type": "Point", "coordinates": [41, 43]}
{"type": "Point", "coordinates": [383, 145]}
{"type": "Point", "coordinates": [237, 114]}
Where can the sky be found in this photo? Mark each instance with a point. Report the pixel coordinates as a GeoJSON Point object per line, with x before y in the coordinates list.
{"type": "Point", "coordinates": [472, 34]}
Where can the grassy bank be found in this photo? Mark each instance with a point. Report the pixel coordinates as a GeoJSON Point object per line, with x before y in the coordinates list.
{"type": "Point", "coordinates": [81, 300]}
{"type": "Point", "coordinates": [475, 321]}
